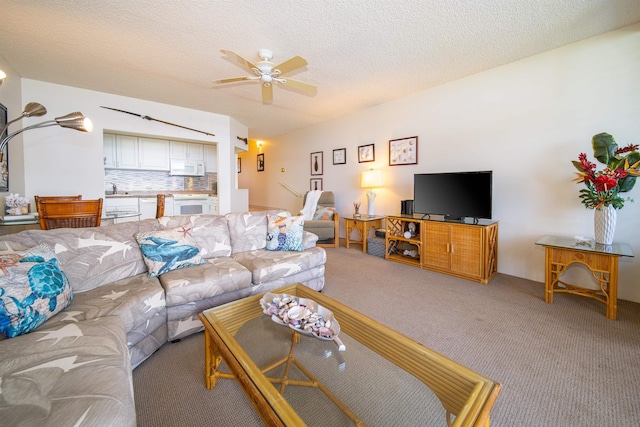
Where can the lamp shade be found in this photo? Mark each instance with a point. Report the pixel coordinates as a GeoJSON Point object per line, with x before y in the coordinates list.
{"type": "Point", "coordinates": [34, 109]}
{"type": "Point", "coordinates": [75, 121]}
{"type": "Point", "coordinates": [371, 178]}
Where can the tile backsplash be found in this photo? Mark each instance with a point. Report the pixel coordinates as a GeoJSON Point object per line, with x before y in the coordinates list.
{"type": "Point", "coordinates": [138, 180]}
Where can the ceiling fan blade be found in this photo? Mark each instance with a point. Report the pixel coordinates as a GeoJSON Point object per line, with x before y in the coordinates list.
{"type": "Point", "coordinates": [291, 64]}
{"type": "Point", "coordinates": [305, 87]}
{"type": "Point", "coordinates": [239, 59]}
{"type": "Point", "coordinates": [231, 80]}
{"type": "Point", "coordinates": [267, 93]}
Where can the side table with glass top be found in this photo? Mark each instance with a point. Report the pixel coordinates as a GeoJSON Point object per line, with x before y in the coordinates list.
{"type": "Point", "coordinates": [364, 225]}
{"type": "Point", "coordinates": [601, 260]}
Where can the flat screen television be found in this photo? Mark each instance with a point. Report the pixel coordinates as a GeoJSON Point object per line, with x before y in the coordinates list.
{"type": "Point", "coordinates": [455, 195]}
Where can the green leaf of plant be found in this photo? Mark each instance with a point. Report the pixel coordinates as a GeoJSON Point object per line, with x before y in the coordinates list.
{"type": "Point", "coordinates": [603, 148]}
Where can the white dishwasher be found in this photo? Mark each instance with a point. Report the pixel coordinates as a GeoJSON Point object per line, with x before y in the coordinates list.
{"type": "Point", "coordinates": [148, 206]}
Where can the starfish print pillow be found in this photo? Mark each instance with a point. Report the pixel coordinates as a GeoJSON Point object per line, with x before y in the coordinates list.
{"type": "Point", "coordinates": [33, 288]}
{"type": "Point", "coordinates": [168, 249]}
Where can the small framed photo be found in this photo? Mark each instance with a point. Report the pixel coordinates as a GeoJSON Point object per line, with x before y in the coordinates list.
{"type": "Point", "coordinates": [239, 165]}
{"type": "Point", "coordinates": [316, 184]}
{"type": "Point", "coordinates": [366, 153]}
{"type": "Point", "coordinates": [403, 151]}
{"type": "Point", "coordinates": [261, 162]}
{"type": "Point", "coordinates": [340, 156]}
{"type": "Point", "coordinates": [316, 163]}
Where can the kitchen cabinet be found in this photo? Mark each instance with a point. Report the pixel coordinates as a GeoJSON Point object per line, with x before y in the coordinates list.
{"type": "Point", "coordinates": [148, 207]}
{"type": "Point", "coordinates": [127, 152]}
{"type": "Point", "coordinates": [109, 150]}
{"type": "Point", "coordinates": [132, 152]}
{"type": "Point", "coordinates": [120, 151]}
{"type": "Point", "coordinates": [211, 158]}
{"type": "Point", "coordinates": [154, 154]}
{"type": "Point", "coordinates": [122, 204]}
{"type": "Point", "coordinates": [187, 150]}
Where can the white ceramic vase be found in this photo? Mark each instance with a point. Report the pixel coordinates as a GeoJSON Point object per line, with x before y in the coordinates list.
{"type": "Point", "coordinates": [604, 222]}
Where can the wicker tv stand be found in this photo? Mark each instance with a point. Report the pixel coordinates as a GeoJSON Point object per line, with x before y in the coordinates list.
{"type": "Point", "coordinates": [467, 249]}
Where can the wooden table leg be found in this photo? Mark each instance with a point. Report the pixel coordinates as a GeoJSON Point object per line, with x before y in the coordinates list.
{"type": "Point", "coordinates": [612, 301]}
{"type": "Point", "coordinates": [548, 277]}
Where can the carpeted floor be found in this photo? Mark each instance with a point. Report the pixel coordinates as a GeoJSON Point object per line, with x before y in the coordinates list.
{"type": "Point", "coordinates": [561, 364]}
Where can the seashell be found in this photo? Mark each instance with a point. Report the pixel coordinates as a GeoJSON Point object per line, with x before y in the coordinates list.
{"type": "Point", "coordinates": [325, 332]}
{"type": "Point", "coordinates": [327, 323]}
{"type": "Point", "coordinates": [272, 310]}
{"type": "Point", "coordinates": [298, 312]}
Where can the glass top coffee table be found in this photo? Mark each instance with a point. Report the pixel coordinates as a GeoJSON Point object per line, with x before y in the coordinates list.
{"type": "Point", "coordinates": [381, 378]}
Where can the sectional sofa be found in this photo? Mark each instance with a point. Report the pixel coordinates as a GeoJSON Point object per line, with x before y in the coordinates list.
{"type": "Point", "coordinates": [75, 368]}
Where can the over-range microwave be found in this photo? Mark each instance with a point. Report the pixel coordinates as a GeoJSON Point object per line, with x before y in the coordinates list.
{"type": "Point", "coordinates": [186, 167]}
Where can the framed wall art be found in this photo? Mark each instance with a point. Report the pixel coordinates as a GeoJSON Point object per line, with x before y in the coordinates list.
{"type": "Point", "coordinates": [316, 184]}
{"type": "Point", "coordinates": [366, 153]}
{"type": "Point", "coordinates": [403, 151]}
{"type": "Point", "coordinates": [340, 156]}
{"type": "Point", "coordinates": [261, 162]}
{"type": "Point", "coordinates": [316, 163]}
{"type": "Point", "coordinates": [4, 156]}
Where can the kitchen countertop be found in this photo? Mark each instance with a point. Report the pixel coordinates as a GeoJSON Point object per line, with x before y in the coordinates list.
{"type": "Point", "coordinates": [169, 193]}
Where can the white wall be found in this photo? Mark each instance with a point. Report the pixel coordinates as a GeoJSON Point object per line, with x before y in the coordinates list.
{"type": "Point", "coordinates": [11, 97]}
{"type": "Point", "coordinates": [526, 121]}
{"type": "Point", "coordinates": [63, 161]}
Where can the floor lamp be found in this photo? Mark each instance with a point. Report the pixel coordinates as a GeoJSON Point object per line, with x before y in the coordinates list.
{"type": "Point", "coordinates": [371, 179]}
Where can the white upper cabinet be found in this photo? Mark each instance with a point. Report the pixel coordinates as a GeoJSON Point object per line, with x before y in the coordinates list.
{"type": "Point", "coordinates": [126, 152]}
{"type": "Point", "coordinates": [187, 150]}
{"type": "Point", "coordinates": [132, 152]}
{"type": "Point", "coordinates": [120, 151]}
{"type": "Point", "coordinates": [109, 147]}
{"type": "Point", "coordinates": [211, 158]}
{"type": "Point", "coordinates": [154, 154]}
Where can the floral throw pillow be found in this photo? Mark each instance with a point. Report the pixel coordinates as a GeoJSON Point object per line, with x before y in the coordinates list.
{"type": "Point", "coordinates": [324, 213]}
{"type": "Point", "coordinates": [33, 288]}
{"type": "Point", "coordinates": [168, 249]}
{"type": "Point", "coordinates": [284, 233]}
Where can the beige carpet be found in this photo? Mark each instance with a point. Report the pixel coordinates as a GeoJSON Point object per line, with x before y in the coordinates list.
{"type": "Point", "coordinates": [561, 364]}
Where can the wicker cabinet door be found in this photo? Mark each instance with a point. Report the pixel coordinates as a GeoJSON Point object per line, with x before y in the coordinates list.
{"type": "Point", "coordinates": [436, 248]}
{"type": "Point", "coordinates": [466, 250]}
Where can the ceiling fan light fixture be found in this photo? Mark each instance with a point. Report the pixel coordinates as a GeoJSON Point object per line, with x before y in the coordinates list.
{"type": "Point", "coordinates": [268, 72]}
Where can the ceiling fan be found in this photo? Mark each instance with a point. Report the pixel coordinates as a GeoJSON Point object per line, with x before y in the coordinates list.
{"type": "Point", "coordinates": [266, 72]}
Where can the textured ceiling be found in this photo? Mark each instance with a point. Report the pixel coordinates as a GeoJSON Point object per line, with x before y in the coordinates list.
{"type": "Point", "coordinates": [360, 52]}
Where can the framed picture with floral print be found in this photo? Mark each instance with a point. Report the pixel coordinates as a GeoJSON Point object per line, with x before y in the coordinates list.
{"type": "Point", "coordinates": [403, 151]}
{"type": "Point", "coordinates": [366, 153]}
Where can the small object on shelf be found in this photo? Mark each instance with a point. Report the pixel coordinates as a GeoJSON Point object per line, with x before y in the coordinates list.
{"type": "Point", "coordinates": [16, 205]}
{"type": "Point", "coordinates": [27, 217]}
{"type": "Point", "coordinates": [356, 207]}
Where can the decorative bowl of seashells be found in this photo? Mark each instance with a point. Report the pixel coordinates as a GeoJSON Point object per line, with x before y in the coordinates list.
{"type": "Point", "coordinates": [302, 315]}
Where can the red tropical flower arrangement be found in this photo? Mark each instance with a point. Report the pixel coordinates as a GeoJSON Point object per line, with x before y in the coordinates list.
{"type": "Point", "coordinates": [619, 175]}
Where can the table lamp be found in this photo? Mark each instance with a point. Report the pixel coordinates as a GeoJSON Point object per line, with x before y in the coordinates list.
{"type": "Point", "coordinates": [371, 179]}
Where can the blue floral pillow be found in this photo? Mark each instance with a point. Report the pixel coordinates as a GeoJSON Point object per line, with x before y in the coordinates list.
{"type": "Point", "coordinates": [284, 233]}
{"type": "Point", "coordinates": [33, 288]}
{"type": "Point", "coordinates": [168, 249]}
